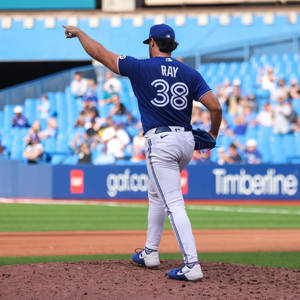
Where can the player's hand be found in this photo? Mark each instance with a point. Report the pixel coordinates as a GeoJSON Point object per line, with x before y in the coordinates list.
{"type": "Point", "coordinates": [71, 31]}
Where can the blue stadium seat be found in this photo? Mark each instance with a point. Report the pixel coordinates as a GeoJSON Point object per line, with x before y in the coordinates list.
{"type": "Point", "coordinates": [50, 144]}
{"type": "Point", "coordinates": [277, 150]}
{"type": "Point", "coordinates": [105, 109]}
{"type": "Point", "coordinates": [289, 146]}
{"type": "Point", "coordinates": [251, 132]}
{"type": "Point", "coordinates": [264, 142]}
{"type": "Point", "coordinates": [8, 116]}
{"type": "Point", "coordinates": [52, 101]}
{"type": "Point", "coordinates": [297, 142]}
{"type": "Point", "coordinates": [261, 93]}
{"type": "Point", "coordinates": [30, 110]}
{"type": "Point", "coordinates": [1, 122]}
{"type": "Point", "coordinates": [71, 160]}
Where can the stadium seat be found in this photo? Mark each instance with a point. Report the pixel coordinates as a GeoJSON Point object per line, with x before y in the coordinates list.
{"type": "Point", "coordinates": [30, 110]}
{"type": "Point", "coordinates": [8, 116]}
{"type": "Point", "coordinates": [71, 160]}
{"type": "Point", "coordinates": [289, 147]}
{"type": "Point", "coordinates": [1, 122]}
{"type": "Point", "coordinates": [277, 150]}
{"type": "Point", "coordinates": [264, 142]}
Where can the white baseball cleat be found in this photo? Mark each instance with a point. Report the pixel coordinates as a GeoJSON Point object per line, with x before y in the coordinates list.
{"type": "Point", "coordinates": [149, 260]}
{"type": "Point", "coordinates": [186, 273]}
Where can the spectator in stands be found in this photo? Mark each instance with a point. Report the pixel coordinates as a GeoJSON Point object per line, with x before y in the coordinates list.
{"type": "Point", "coordinates": [115, 138]}
{"type": "Point", "coordinates": [281, 113]}
{"type": "Point", "coordinates": [118, 109]}
{"type": "Point", "coordinates": [232, 157]}
{"type": "Point", "coordinates": [251, 153]}
{"type": "Point", "coordinates": [196, 119]}
{"type": "Point", "coordinates": [50, 131]}
{"type": "Point", "coordinates": [131, 121]}
{"type": "Point", "coordinates": [296, 126]}
{"type": "Point", "coordinates": [104, 158]}
{"type": "Point", "coordinates": [34, 149]}
{"type": "Point", "coordinates": [79, 85]}
{"type": "Point", "coordinates": [89, 101]}
{"type": "Point", "coordinates": [201, 157]}
{"type": "Point", "coordinates": [294, 91]}
{"type": "Point", "coordinates": [252, 102]}
{"type": "Point", "coordinates": [139, 144]}
{"type": "Point", "coordinates": [90, 98]}
{"type": "Point", "coordinates": [292, 117]}
{"type": "Point", "coordinates": [222, 156]}
{"type": "Point", "coordinates": [80, 122]}
{"type": "Point", "coordinates": [44, 108]}
{"type": "Point", "coordinates": [265, 116]}
{"type": "Point", "coordinates": [226, 90]}
{"type": "Point", "coordinates": [89, 117]}
{"type": "Point", "coordinates": [36, 125]}
{"type": "Point", "coordinates": [243, 120]}
{"type": "Point", "coordinates": [93, 122]}
{"type": "Point", "coordinates": [19, 121]}
{"type": "Point", "coordinates": [2, 149]}
{"type": "Point", "coordinates": [267, 81]}
{"type": "Point", "coordinates": [234, 98]}
{"type": "Point", "coordinates": [81, 148]}
{"type": "Point", "coordinates": [243, 103]}
{"type": "Point", "coordinates": [281, 91]}
{"type": "Point", "coordinates": [111, 85]}
{"type": "Point", "coordinates": [205, 120]}
{"type": "Point", "coordinates": [224, 128]}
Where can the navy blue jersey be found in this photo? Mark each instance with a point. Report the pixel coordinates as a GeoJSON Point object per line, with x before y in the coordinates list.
{"type": "Point", "coordinates": [165, 89]}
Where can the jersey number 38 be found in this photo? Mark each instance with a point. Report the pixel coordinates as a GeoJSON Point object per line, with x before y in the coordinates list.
{"type": "Point", "coordinates": [179, 92]}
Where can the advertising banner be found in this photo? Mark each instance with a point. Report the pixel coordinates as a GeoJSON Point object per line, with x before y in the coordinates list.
{"type": "Point", "coordinates": [198, 182]}
{"type": "Point", "coordinates": [215, 182]}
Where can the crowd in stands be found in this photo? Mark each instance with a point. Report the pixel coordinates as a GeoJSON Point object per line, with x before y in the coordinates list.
{"type": "Point", "coordinates": [117, 135]}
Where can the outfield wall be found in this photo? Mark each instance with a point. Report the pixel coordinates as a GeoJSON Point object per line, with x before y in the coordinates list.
{"type": "Point", "coordinates": [255, 182]}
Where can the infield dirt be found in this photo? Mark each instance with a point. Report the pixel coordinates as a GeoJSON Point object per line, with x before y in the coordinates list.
{"type": "Point", "coordinates": [124, 280]}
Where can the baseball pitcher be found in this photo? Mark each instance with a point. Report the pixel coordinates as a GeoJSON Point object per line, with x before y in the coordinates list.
{"type": "Point", "coordinates": [165, 89]}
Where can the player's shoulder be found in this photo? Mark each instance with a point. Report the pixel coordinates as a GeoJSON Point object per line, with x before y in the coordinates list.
{"type": "Point", "coordinates": [188, 68]}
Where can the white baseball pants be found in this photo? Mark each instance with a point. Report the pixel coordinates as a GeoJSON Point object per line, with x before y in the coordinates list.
{"type": "Point", "coordinates": [168, 153]}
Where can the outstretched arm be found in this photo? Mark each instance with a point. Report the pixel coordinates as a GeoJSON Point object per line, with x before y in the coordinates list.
{"type": "Point", "coordinates": [93, 48]}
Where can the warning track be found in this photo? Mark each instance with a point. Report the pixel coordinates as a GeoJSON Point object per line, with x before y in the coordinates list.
{"type": "Point", "coordinates": [122, 242]}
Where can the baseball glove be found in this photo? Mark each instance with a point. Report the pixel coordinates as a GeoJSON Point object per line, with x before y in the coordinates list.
{"type": "Point", "coordinates": [203, 140]}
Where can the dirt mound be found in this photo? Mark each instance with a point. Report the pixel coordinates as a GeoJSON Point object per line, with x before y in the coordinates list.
{"type": "Point", "coordinates": [124, 280]}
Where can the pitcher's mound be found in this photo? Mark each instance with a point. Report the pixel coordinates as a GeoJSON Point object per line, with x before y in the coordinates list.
{"type": "Point", "coordinates": [124, 280]}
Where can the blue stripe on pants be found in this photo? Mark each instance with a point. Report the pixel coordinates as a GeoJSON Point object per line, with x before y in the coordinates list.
{"type": "Point", "coordinates": [164, 200]}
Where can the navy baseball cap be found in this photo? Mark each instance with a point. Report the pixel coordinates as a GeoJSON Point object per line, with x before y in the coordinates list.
{"type": "Point", "coordinates": [160, 31]}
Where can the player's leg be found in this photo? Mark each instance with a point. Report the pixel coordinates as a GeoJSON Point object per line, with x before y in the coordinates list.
{"type": "Point", "coordinates": [191, 270]}
{"type": "Point", "coordinates": [156, 218]}
{"type": "Point", "coordinates": [165, 166]}
{"type": "Point", "coordinates": [164, 171]}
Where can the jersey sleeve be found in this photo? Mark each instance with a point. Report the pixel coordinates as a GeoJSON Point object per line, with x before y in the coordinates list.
{"type": "Point", "coordinates": [128, 66]}
{"type": "Point", "coordinates": [200, 87]}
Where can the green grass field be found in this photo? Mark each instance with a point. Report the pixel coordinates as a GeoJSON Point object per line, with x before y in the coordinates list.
{"type": "Point", "coordinates": [46, 217]}
{"type": "Point", "coordinates": [289, 260]}
{"type": "Point", "coordinates": [59, 217]}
